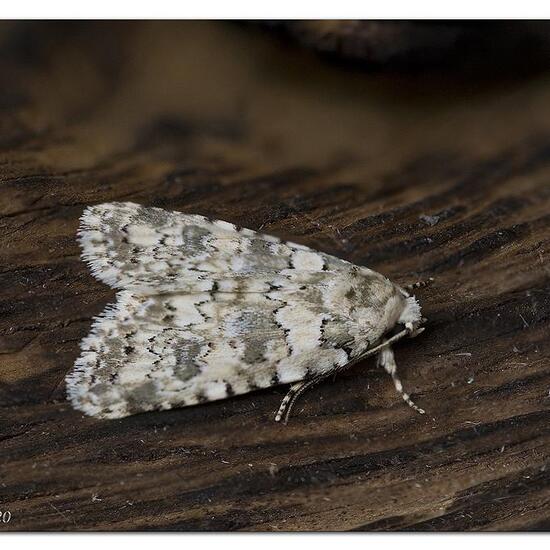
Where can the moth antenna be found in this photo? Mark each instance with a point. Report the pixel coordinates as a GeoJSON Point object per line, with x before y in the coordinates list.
{"type": "Point", "coordinates": [291, 397]}
{"type": "Point", "coordinates": [386, 359]}
{"type": "Point", "coordinates": [419, 284]}
{"type": "Point", "coordinates": [284, 405]}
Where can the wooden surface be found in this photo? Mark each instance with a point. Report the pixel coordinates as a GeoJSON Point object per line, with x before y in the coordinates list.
{"type": "Point", "coordinates": [412, 175]}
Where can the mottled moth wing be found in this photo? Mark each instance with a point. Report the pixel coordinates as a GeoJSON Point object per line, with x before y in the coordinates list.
{"type": "Point", "coordinates": [151, 250]}
{"type": "Point", "coordinates": [159, 352]}
{"type": "Point", "coordinates": [209, 310]}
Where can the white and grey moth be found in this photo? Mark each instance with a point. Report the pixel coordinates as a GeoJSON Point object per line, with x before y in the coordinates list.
{"type": "Point", "coordinates": [207, 310]}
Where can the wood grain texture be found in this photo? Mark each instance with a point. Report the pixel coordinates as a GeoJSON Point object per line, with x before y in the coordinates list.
{"type": "Point", "coordinates": [414, 176]}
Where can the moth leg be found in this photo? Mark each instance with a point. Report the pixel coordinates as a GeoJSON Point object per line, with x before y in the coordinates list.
{"type": "Point", "coordinates": [290, 398]}
{"type": "Point", "coordinates": [414, 332]}
{"type": "Point", "coordinates": [419, 284]}
{"type": "Point", "coordinates": [386, 359]}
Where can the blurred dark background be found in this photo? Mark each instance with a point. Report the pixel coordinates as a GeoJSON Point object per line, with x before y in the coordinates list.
{"type": "Point", "coordinates": [279, 93]}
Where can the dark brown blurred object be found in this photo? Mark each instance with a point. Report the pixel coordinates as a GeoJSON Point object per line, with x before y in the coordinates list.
{"type": "Point", "coordinates": [415, 45]}
{"type": "Point", "coordinates": [415, 176]}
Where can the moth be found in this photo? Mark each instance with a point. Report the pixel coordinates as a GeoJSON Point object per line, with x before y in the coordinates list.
{"type": "Point", "coordinates": [207, 310]}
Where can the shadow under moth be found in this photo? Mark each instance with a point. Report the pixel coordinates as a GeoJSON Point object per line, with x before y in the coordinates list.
{"type": "Point", "coordinates": [207, 310]}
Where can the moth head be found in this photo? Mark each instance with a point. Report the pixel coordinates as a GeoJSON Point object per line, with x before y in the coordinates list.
{"type": "Point", "coordinates": [410, 312]}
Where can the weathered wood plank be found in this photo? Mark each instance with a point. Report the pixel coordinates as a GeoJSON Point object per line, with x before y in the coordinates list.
{"type": "Point", "coordinates": [413, 176]}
